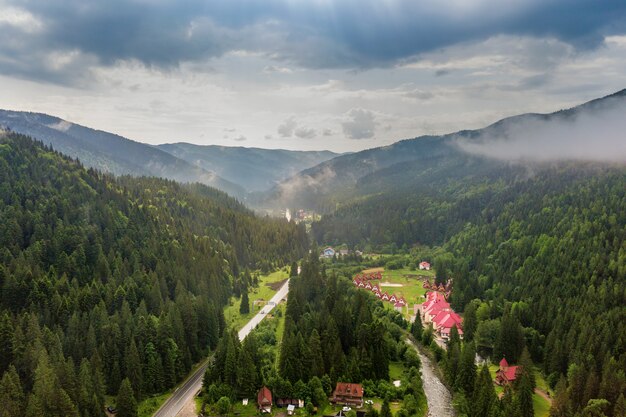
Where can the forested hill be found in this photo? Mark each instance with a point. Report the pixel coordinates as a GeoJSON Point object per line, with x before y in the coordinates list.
{"type": "Point", "coordinates": [540, 251]}
{"type": "Point", "coordinates": [582, 132]}
{"type": "Point", "coordinates": [254, 169]}
{"type": "Point", "coordinates": [111, 153]}
{"type": "Point", "coordinates": [104, 279]}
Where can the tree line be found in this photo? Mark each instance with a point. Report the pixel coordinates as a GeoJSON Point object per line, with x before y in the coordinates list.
{"type": "Point", "coordinates": [114, 283]}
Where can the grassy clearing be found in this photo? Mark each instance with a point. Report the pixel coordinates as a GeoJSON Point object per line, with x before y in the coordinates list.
{"type": "Point", "coordinates": [396, 370]}
{"type": "Point", "coordinates": [541, 406]}
{"type": "Point", "coordinates": [263, 292]}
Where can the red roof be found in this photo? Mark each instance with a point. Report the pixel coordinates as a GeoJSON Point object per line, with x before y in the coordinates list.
{"type": "Point", "coordinates": [348, 389]}
{"type": "Point", "coordinates": [511, 373]}
{"type": "Point", "coordinates": [399, 304]}
{"type": "Point", "coordinates": [264, 398]}
{"type": "Point", "coordinates": [504, 363]}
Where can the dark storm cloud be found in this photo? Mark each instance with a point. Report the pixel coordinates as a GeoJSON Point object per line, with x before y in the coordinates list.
{"type": "Point", "coordinates": [332, 34]}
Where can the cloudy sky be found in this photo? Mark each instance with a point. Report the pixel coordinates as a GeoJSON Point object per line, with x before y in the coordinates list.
{"type": "Point", "coordinates": [342, 75]}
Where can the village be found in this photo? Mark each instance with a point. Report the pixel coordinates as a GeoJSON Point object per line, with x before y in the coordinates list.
{"type": "Point", "coordinates": [412, 293]}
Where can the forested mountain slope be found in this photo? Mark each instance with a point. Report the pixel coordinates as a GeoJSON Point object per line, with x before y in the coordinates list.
{"type": "Point", "coordinates": [104, 279]}
{"type": "Point", "coordinates": [543, 249]}
{"type": "Point", "coordinates": [409, 163]}
{"type": "Point", "coordinates": [111, 153]}
{"type": "Point", "coordinates": [254, 169]}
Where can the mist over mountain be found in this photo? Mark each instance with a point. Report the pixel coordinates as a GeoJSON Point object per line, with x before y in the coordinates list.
{"type": "Point", "coordinates": [255, 169]}
{"type": "Point", "coordinates": [593, 131]}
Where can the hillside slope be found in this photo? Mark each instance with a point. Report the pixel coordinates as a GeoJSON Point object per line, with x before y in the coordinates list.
{"type": "Point", "coordinates": [405, 163]}
{"type": "Point", "coordinates": [254, 169]}
{"type": "Point", "coordinates": [109, 152]}
{"type": "Point", "coordinates": [103, 279]}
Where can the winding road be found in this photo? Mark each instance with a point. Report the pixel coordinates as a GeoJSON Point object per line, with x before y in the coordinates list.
{"type": "Point", "coordinates": [190, 388]}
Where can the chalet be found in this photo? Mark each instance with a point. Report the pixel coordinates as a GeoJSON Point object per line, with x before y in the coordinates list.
{"type": "Point", "coordinates": [506, 374]}
{"type": "Point", "coordinates": [375, 288]}
{"type": "Point", "coordinates": [355, 281]}
{"type": "Point", "coordinates": [393, 298]}
{"type": "Point", "coordinates": [328, 252]}
{"type": "Point", "coordinates": [398, 306]}
{"type": "Point", "coordinates": [264, 400]}
{"type": "Point", "coordinates": [424, 266]}
{"type": "Point", "coordinates": [378, 294]}
{"type": "Point", "coordinates": [385, 297]}
{"type": "Point", "coordinates": [361, 284]}
{"type": "Point", "coordinates": [368, 286]}
{"type": "Point", "coordinates": [402, 301]}
{"type": "Point", "coordinates": [347, 393]}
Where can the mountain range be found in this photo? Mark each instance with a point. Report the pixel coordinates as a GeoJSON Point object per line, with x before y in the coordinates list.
{"type": "Point", "coordinates": [235, 170]}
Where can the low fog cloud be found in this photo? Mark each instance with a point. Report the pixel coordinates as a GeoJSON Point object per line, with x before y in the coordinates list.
{"type": "Point", "coordinates": [589, 135]}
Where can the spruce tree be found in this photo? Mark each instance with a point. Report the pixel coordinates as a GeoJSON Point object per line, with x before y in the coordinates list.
{"type": "Point", "coordinates": [244, 307]}
{"type": "Point", "coordinates": [467, 370]}
{"type": "Point", "coordinates": [126, 403]}
{"type": "Point", "coordinates": [385, 409]}
{"type": "Point", "coordinates": [484, 398]}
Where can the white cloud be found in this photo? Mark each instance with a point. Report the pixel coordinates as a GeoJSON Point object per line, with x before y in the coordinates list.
{"type": "Point", "coordinates": [361, 124]}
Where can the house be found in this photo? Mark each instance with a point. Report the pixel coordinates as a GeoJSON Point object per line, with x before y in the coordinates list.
{"type": "Point", "coordinates": [375, 288]}
{"type": "Point", "coordinates": [361, 284]}
{"type": "Point", "coordinates": [385, 297]}
{"type": "Point", "coordinates": [264, 400]}
{"type": "Point", "coordinates": [393, 298]}
{"type": "Point", "coordinates": [402, 300]}
{"type": "Point", "coordinates": [347, 393]}
{"type": "Point", "coordinates": [328, 252]}
{"type": "Point", "coordinates": [424, 266]}
{"type": "Point", "coordinates": [398, 306]}
{"type": "Point", "coordinates": [368, 286]}
{"type": "Point", "coordinates": [506, 374]}
{"type": "Point", "coordinates": [378, 294]}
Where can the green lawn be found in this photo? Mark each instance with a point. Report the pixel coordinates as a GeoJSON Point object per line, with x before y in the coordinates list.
{"type": "Point", "coordinates": [411, 288]}
{"type": "Point", "coordinates": [541, 406]}
{"type": "Point", "coordinates": [262, 292]}
{"type": "Point", "coordinates": [396, 369]}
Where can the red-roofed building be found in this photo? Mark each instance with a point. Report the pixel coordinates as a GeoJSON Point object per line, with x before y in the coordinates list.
{"type": "Point", "coordinates": [506, 374]}
{"type": "Point", "coordinates": [424, 266]}
{"type": "Point", "coordinates": [398, 306]}
{"type": "Point", "coordinates": [375, 288]}
{"type": "Point", "coordinates": [347, 393]}
{"type": "Point", "coordinates": [264, 400]}
{"type": "Point", "coordinates": [385, 297]}
{"type": "Point", "coordinates": [368, 286]}
{"type": "Point", "coordinates": [393, 298]}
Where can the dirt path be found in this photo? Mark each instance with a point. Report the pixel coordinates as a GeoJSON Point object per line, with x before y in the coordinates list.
{"type": "Point", "coordinates": [544, 395]}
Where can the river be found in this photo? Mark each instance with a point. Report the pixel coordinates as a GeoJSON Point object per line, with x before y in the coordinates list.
{"type": "Point", "coordinates": [437, 395]}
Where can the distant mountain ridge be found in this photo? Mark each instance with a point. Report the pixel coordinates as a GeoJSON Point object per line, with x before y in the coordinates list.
{"type": "Point", "coordinates": [109, 152]}
{"type": "Point", "coordinates": [405, 163]}
{"type": "Point", "coordinates": [234, 170]}
{"type": "Point", "coordinates": [255, 169]}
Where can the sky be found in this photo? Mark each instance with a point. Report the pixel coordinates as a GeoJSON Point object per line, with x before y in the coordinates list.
{"type": "Point", "coordinates": [342, 75]}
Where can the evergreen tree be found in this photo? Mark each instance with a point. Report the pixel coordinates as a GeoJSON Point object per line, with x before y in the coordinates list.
{"type": "Point", "coordinates": [484, 399]}
{"type": "Point", "coordinates": [126, 403]}
{"type": "Point", "coordinates": [385, 409]}
{"type": "Point", "coordinates": [11, 394]}
{"type": "Point", "coordinates": [467, 370]}
{"type": "Point", "coordinates": [133, 368]}
{"type": "Point", "coordinates": [244, 307]}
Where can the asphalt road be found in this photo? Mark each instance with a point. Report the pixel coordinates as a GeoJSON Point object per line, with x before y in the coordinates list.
{"type": "Point", "coordinates": [193, 384]}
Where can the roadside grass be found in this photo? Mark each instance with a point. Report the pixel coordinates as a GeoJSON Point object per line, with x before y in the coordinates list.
{"type": "Point", "coordinates": [263, 292]}
{"type": "Point", "coordinates": [150, 405]}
